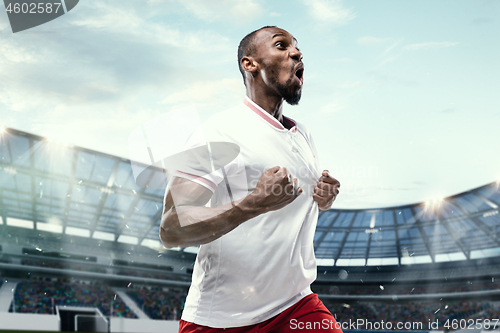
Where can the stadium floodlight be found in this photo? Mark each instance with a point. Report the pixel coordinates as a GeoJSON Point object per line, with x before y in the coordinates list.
{"type": "Point", "coordinates": [10, 170]}
{"type": "Point", "coordinates": [434, 202]}
{"type": "Point", "coordinates": [107, 190]}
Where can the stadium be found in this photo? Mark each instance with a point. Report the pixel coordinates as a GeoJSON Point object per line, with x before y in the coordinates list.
{"type": "Point", "coordinates": [79, 251]}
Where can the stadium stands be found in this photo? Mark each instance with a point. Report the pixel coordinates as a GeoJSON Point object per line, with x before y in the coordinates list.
{"type": "Point", "coordinates": [445, 314]}
{"type": "Point", "coordinates": [43, 294]}
{"type": "Point", "coordinates": [158, 303]}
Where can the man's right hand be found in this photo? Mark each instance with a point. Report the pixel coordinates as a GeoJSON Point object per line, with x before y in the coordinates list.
{"type": "Point", "coordinates": [201, 225]}
{"type": "Point", "coordinates": [276, 189]}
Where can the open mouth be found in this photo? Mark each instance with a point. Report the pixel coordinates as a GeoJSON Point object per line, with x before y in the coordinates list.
{"type": "Point", "coordinates": [299, 73]}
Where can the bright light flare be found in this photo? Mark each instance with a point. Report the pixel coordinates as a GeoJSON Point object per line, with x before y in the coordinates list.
{"type": "Point", "coordinates": [2, 129]}
{"type": "Point", "coordinates": [434, 202]}
{"type": "Point", "coordinates": [59, 142]}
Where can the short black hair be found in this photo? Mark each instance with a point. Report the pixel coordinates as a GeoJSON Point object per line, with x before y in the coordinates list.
{"type": "Point", "coordinates": [247, 48]}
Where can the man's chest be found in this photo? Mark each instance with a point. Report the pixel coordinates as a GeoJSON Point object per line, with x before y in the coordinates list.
{"type": "Point", "coordinates": [284, 149]}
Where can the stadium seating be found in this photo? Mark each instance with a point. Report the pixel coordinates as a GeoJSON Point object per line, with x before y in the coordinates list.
{"type": "Point", "coordinates": [40, 296]}
{"type": "Point", "coordinates": [415, 312]}
{"type": "Point", "coordinates": [158, 303]}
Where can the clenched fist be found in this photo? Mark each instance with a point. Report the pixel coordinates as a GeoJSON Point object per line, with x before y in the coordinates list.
{"type": "Point", "coordinates": [276, 189]}
{"type": "Point", "coordinates": [326, 191]}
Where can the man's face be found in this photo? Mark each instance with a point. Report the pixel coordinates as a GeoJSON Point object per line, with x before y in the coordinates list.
{"type": "Point", "coordinates": [281, 63]}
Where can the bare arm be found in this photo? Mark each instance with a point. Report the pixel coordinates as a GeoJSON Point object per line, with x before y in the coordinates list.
{"type": "Point", "coordinates": [188, 223]}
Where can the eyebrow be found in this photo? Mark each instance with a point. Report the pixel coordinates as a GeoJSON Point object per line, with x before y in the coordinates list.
{"type": "Point", "coordinates": [280, 34]}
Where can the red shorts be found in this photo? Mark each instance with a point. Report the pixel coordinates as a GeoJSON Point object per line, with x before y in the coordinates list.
{"type": "Point", "coordinates": [307, 315]}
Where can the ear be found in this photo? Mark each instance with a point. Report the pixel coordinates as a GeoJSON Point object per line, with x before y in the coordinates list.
{"type": "Point", "coordinates": [249, 64]}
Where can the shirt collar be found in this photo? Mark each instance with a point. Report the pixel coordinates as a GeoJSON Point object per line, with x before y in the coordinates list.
{"type": "Point", "coordinates": [267, 117]}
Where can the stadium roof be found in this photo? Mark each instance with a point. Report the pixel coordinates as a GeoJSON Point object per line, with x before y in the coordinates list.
{"type": "Point", "coordinates": [53, 187]}
{"type": "Point", "coordinates": [464, 226]}
{"type": "Point", "coordinates": [49, 186]}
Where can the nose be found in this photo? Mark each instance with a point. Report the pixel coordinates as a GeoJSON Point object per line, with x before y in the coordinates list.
{"type": "Point", "coordinates": [296, 54]}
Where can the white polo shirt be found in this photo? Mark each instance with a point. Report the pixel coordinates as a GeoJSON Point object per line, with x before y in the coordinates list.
{"type": "Point", "coordinates": [266, 264]}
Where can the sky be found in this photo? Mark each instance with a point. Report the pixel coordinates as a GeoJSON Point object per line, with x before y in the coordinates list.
{"type": "Point", "coordinates": [401, 97]}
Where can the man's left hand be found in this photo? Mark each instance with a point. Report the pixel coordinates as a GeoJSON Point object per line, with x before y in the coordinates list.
{"type": "Point", "coordinates": [326, 191]}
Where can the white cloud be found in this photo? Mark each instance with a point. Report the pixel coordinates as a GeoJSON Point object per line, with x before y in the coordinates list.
{"type": "Point", "coordinates": [330, 11]}
{"type": "Point", "coordinates": [128, 25]}
{"type": "Point", "coordinates": [208, 93]}
{"type": "Point", "coordinates": [224, 10]}
{"type": "Point", "coordinates": [107, 71]}
{"type": "Point", "coordinates": [332, 107]}
{"type": "Point", "coordinates": [18, 53]}
{"type": "Point", "coordinates": [390, 53]}
{"type": "Point", "coordinates": [370, 40]}
{"type": "Point", "coordinates": [429, 45]}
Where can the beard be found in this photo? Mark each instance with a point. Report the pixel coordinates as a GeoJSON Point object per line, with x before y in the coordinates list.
{"type": "Point", "coordinates": [287, 91]}
{"type": "Point", "coordinates": [291, 96]}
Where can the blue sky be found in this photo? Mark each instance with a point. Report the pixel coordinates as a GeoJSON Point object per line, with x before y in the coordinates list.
{"type": "Point", "coordinates": [401, 96]}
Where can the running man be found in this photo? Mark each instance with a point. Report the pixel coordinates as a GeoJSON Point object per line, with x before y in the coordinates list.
{"type": "Point", "coordinates": [256, 261]}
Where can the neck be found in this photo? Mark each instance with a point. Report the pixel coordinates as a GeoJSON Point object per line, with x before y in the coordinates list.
{"type": "Point", "coordinates": [272, 104]}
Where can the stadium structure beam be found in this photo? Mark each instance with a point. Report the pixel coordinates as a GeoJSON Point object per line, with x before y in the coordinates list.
{"type": "Point", "coordinates": [327, 230]}
{"type": "Point", "coordinates": [87, 183]}
{"type": "Point", "coordinates": [72, 181]}
{"type": "Point", "coordinates": [104, 197]}
{"type": "Point", "coordinates": [422, 233]}
{"type": "Point", "coordinates": [345, 238]}
{"type": "Point", "coordinates": [396, 230]}
{"type": "Point", "coordinates": [485, 228]}
{"type": "Point", "coordinates": [96, 275]}
{"type": "Point", "coordinates": [369, 241]}
{"type": "Point", "coordinates": [2, 211]}
{"type": "Point", "coordinates": [479, 224]}
{"type": "Point", "coordinates": [130, 210]}
{"type": "Point", "coordinates": [486, 200]}
{"type": "Point", "coordinates": [455, 238]}
{"type": "Point", "coordinates": [33, 183]}
{"type": "Point", "coordinates": [153, 223]}
{"type": "Point", "coordinates": [52, 207]}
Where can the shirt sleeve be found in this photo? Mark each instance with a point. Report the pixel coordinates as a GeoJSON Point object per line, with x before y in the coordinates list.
{"type": "Point", "coordinates": [206, 153]}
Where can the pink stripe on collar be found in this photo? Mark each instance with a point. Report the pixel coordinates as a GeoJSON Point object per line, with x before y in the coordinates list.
{"type": "Point", "coordinates": [267, 117]}
{"type": "Point", "coordinates": [262, 114]}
